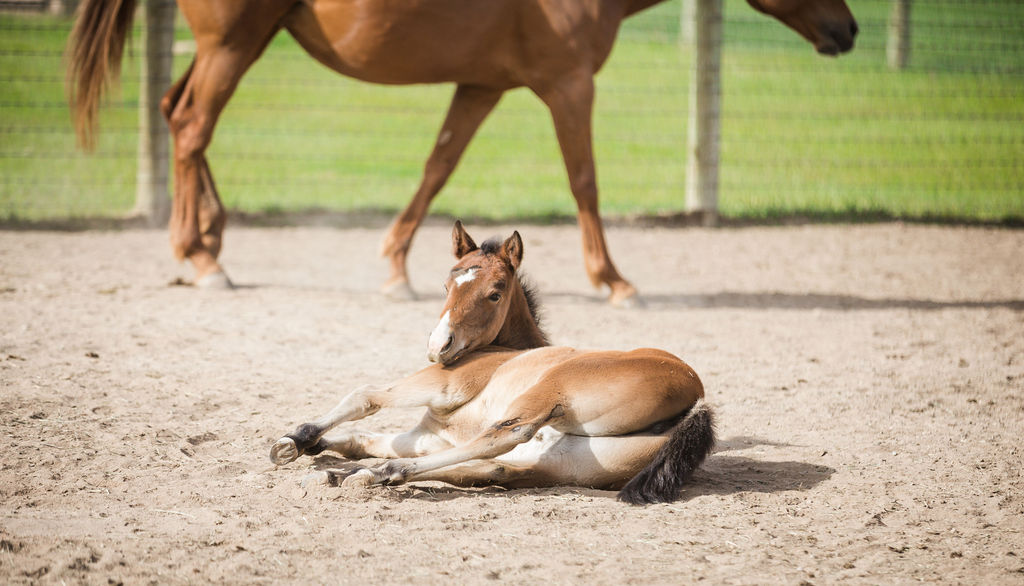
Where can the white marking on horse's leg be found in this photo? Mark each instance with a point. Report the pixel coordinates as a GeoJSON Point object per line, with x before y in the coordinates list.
{"type": "Point", "coordinates": [439, 337]}
{"type": "Point", "coordinates": [466, 277]}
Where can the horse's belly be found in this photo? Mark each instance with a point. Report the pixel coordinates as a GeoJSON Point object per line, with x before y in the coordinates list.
{"type": "Point", "coordinates": [405, 42]}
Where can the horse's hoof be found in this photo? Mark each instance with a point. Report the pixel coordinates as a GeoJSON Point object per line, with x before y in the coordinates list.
{"type": "Point", "coordinates": [320, 477]}
{"type": "Point", "coordinates": [398, 291]}
{"type": "Point", "coordinates": [632, 302]}
{"type": "Point", "coordinates": [358, 479]}
{"type": "Point", "coordinates": [626, 298]}
{"type": "Point", "coordinates": [216, 281]}
{"type": "Point", "coordinates": [284, 451]}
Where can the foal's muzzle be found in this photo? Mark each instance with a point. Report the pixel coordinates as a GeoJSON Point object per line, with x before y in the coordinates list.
{"type": "Point", "coordinates": [437, 355]}
{"type": "Point", "coordinates": [442, 339]}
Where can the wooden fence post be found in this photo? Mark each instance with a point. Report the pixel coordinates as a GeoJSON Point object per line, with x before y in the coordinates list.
{"type": "Point", "coordinates": [61, 7]}
{"type": "Point", "coordinates": [151, 195]}
{"type": "Point", "coordinates": [704, 113]}
{"type": "Point", "coordinates": [687, 22]}
{"type": "Point", "coordinates": [897, 47]}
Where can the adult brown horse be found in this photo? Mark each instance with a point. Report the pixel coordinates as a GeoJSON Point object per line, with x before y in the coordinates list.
{"type": "Point", "coordinates": [553, 47]}
{"type": "Point", "coordinates": [505, 408]}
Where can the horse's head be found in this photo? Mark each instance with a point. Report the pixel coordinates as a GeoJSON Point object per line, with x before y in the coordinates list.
{"type": "Point", "coordinates": [827, 24]}
{"type": "Point", "coordinates": [479, 290]}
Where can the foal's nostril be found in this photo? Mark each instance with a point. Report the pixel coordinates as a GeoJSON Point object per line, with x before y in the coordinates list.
{"type": "Point", "coordinates": [448, 344]}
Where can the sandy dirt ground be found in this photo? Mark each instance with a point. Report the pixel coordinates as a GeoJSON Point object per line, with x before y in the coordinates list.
{"type": "Point", "coordinates": [868, 381]}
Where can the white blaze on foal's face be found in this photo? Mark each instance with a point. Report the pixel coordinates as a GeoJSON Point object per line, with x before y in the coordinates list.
{"type": "Point", "coordinates": [466, 277]}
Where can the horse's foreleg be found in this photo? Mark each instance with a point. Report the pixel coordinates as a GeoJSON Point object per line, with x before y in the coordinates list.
{"type": "Point", "coordinates": [468, 109]}
{"type": "Point", "coordinates": [571, 103]}
{"type": "Point", "coordinates": [357, 445]}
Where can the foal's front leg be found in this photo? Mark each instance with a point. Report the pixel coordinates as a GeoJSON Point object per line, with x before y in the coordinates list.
{"type": "Point", "coordinates": [421, 389]}
{"type": "Point", "coordinates": [356, 444]}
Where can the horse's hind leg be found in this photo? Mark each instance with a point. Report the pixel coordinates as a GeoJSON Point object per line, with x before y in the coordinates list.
{"type": "Point", "coordinates": [469, 107]}
{"type": "Point", "coordinates": [571, 102]}
{"type": "Point", "coordinates": [192, 107]}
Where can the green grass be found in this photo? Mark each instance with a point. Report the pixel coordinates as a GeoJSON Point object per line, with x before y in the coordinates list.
{"type": "Point", "coordinates": [802, 134]}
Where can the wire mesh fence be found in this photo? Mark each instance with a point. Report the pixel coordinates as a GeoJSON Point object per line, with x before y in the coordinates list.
{"type": "Point", "coordinates": [801, 134]}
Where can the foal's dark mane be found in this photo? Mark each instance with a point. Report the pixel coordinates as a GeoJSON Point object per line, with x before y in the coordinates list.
{"type": "Point", "coordinates": [492, 246]}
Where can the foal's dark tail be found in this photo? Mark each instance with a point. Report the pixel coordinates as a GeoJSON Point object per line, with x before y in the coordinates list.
{"type": "Point", "coordinates": [691, 441]}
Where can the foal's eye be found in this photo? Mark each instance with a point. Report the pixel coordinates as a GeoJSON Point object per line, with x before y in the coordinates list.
{"type": "Point", "coordinates": [495, 297]}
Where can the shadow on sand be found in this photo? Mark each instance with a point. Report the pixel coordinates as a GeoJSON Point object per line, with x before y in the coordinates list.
{"type": "Point", "coordinates": [797, 301]}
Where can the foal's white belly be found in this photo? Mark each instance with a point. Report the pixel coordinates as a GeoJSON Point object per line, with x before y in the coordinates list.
{"type": "Point", "coordinates": [544, 443]}
{"type": "Point", "coordinates": [509, 382]}
{"type": "Point", "coordinates": [600, 462]}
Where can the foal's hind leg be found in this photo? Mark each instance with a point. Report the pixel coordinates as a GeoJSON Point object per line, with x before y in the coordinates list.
{"type": "Point", "coordinates": [571, 102]}
{"type": "Point", "coordinates": [468, 109]}
{"type": "Point", "coordinates": [469, 474]}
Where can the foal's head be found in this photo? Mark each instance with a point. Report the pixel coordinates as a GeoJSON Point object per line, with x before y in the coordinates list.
{"type": "Point", "coordinates": [827, 24]}
{"type": "Point", "coordinates": [486, 303]}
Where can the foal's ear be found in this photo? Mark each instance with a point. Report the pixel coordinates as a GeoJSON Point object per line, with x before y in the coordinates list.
{"type": "Point", "coordinates": [462, 244]}
{"type": "Point", "coordinates": [513, 249]}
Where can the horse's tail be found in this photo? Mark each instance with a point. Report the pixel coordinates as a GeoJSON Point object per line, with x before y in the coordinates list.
{"type": "Point", "coordinates": [94, 59]}
{"type": "Point", "coordinates": [691, 441]}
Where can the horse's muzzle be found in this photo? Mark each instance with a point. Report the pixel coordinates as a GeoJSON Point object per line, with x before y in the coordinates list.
{"type": "Point", "coordinates": [837, 39]}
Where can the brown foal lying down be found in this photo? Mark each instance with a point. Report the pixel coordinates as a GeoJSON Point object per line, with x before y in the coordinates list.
{"type": "Point", "coordinates": [506, 408]}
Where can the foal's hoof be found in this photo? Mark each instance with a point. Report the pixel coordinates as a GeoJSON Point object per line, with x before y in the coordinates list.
{"type": "Point", "coordinates": [359, 479]}
{"type": "Point", "coordinates": [217, 281]}
{"type": "Point", "coordinates": [284, 451]}
{"type": "Point", "coordinates": [318, 478]}
{"type": "Point", "coordinates": [398, 291]}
